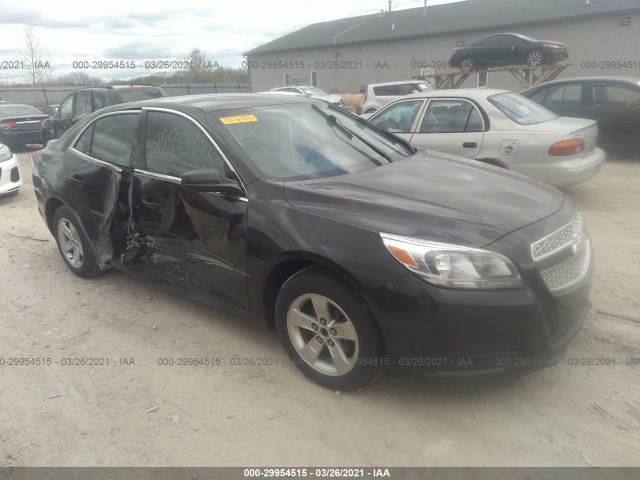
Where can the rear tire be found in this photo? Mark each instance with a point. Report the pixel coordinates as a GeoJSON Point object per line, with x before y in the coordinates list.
{"type": "Point", "coordinates": [327, 331]}
{"type": "Point", "coordinates": [73, 244]}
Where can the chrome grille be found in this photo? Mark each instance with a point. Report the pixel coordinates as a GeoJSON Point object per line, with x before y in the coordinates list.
{"type": "Point", "coordinates": [570, 272]}
{"type": "Point", "coordinates": [573, 249]}
{"type": "Point", "coordinates": [565, 236]}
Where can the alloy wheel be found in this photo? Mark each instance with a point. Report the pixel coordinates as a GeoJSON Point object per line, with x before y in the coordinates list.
{"type": "Point", "coordinates": [322, 334]}
{"type": "Point", "coordinates": [70, 243]}
{"type": "Point", "coordinates": [467, 65]}
{"type": "Point", "coordinates": [535, 58]}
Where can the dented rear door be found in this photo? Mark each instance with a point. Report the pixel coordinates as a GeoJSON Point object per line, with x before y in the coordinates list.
{"type": "Point", "coordinates": [92, 175]}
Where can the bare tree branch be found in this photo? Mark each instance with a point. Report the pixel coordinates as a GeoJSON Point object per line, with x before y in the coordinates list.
{"type": "Point", "coordinates": [36, 66]}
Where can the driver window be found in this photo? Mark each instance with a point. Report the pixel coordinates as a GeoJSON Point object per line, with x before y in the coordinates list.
{"type": "Point", "coordinates": [175, 145]}
{"type": "Point", "coordinates": [399, 117]}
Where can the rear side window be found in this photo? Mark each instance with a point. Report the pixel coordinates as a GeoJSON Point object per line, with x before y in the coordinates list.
{"type": "Point", "coordinates": [175, 145]}
{"type": "Point", "coordinates": [113, 138]}
{"type": "Point", "coordinates": [386, 90]}
{"type": "Point", "coordinates": [84, 142]}
{"type": "Point", "coordinates": [569, 94]}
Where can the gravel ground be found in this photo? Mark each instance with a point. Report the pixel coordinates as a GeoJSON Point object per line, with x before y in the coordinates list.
{"type": "Point", "coordinates": [134, 411]}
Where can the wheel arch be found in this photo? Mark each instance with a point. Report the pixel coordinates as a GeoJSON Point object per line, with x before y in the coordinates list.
{"type": "Point", "coordinates": [84, 219]}
{"type": "Point", "coordinates": [296, 262]}
{"type": "Point", "coordinates": [50, 210]}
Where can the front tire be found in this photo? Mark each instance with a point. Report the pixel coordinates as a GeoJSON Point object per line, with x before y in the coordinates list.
{"type": "Point", "coordinates": [467, 64]}
{"type": "Point", "coordinates": [327, 331]}
{"type": "Point", "coordinates": [535, 58]}
{"type": "Point", "coordinates": [73, 244]}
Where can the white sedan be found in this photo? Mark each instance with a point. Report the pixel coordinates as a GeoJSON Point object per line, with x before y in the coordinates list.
{"type": "Point", "coordinates": [10, 179]}
{"type": "Point", "coordinates": [499, 127]}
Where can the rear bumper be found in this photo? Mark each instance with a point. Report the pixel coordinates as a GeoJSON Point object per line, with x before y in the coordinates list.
{"type": "Point", "coordinates": [9, 137]}
{"type": "Point", "coordinates": [564, 173]}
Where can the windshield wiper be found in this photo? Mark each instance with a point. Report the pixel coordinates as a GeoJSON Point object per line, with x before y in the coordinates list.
{"type": "Point", "coordinates": [389, 136]}
{"type": "Point", "coordinates": [333, 122]}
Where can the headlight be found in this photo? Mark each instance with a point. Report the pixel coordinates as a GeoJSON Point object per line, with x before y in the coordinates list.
{"type": "Point", "coordinates": [452, 265]}
{"type": "Point", "coordinates": [5, 153]}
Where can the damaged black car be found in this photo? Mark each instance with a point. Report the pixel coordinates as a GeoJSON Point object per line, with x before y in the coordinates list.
{"type": "Point", "coordinates": [361, 251]}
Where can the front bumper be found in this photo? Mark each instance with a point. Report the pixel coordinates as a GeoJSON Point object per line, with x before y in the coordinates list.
{"type": "Point", "coordinates": [10, 178]}
{"type": "Point", "coordinates": [553, 55]}
{"type": "Point", "coordinates": [443, 331]}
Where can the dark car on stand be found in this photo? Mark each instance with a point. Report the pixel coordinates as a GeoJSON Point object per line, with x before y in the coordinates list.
{"type": "Point", "coordinates": [614, 102]}
{"type": "Point", "coordinates": [507, 49]}
{"type": "Point", "coordinates": [87, 100]}
{"type": "Point", "coordinates": [20, 124]}
{"type": "Point", "coordinates": [362, 251]}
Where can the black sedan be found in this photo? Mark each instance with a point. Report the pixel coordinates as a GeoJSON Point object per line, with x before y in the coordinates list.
{"type": "Point", "coordinates": [360, 250]}
{"type": "Point", "coordinates": [614, 102]}
{"type": "Point", "coordinates": [507, 49]}
{"type": "Point", "coordinates": [20, 124]}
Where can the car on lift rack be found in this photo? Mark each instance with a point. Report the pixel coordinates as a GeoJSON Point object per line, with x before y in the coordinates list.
{"type": "Point", "coordinates": [507, 49]}
{"type": "Point", "coordinates": [362, 251]}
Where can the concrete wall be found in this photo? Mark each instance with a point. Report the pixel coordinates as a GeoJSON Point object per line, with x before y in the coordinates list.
{"type": "Point", "coordinates": [595, 45]}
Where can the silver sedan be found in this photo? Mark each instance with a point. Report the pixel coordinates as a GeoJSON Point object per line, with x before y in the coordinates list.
{"type": "Point", "coordinates": [499, 127]}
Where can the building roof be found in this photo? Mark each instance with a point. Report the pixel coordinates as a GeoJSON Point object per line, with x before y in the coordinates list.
{"type": "Point", "coordinates": [463, 16]}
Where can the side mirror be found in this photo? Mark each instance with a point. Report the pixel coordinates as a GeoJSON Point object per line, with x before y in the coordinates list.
{"type": "Point", "coordinates": [515, 47]}
{"type": "Point", "coordinates": [209, 180]}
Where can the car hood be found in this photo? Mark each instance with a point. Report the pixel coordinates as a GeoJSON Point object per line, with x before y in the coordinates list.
{"type": "Point", "coordinates": [432, 196]}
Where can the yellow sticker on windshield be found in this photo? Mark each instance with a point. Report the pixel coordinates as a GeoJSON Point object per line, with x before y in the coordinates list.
{"type": "Point", "coordinates": [238, 119]}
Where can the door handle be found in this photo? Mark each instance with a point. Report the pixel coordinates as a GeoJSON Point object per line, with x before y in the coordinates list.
{"type": "Point", "coordinates": [152, 204]}
{"type": "Point", "coordinates": [469, 145]}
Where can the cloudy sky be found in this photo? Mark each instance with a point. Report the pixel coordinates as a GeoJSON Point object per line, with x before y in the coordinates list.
{"type": "Point", "coordinates": [162, 30]}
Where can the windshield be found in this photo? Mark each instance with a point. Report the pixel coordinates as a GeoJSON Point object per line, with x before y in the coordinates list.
{"type": "Point", "coordinates": [19, 111]}
{"type": "Point", "coordinates": [520, 109]}
{"type": "Point", "coordinates": [310, 140]}
{"type": "Point", "coordinates": [310, 91]}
